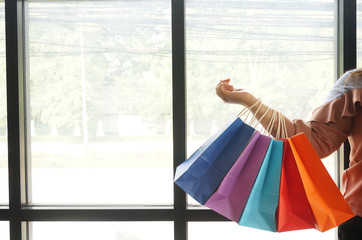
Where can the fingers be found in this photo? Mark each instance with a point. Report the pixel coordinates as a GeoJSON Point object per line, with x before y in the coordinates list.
{"type": "Point", "coordinates": [223, 91]}
{"type": "Point", "coordinates": [224, 81]}
{"type": "Point", "coordinates": [223, 88]}
{"type": "Point", "coordinates": [219, 91]}
{"type": "Point", "coordinates": [226, 84]}
{"type": "Point", "coordinates": [229, 94]}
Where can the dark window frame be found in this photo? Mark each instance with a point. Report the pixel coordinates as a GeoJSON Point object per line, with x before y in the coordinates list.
{"type": "Point", "coordinates": [19, 214]}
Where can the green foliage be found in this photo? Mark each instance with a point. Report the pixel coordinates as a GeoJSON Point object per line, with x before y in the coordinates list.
{"type": "Point", "coordinates": [282, 54]}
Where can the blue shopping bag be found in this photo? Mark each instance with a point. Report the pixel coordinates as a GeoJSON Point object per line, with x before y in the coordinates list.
{"type": "Point", "coordinates": [260, 209]}
{"type": "Point", "coordinates": [201, 174]}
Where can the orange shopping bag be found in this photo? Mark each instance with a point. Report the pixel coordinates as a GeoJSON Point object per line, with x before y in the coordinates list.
{"type": "Point", "coordinates": [329, 207]}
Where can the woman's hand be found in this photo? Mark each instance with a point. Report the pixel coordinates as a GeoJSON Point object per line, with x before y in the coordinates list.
{"type": "Point", "coordinates": [229, 94]}
{"type": "Point", "coordinates": [263, 113]}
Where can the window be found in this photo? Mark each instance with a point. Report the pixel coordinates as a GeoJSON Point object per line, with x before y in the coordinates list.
{"type": "Point", "coordinates": [100, 102]}
{"type": "Point", "coordinates": [231, 231]}
{"type": "Point", "coordinates": [269, 48]}
{"type": "Point", "coordinates": [4, 230]}
{"type": "Point", "coordinates": [102, 230]}
{"type": "Point", "coordinates": [255, 44]}
{"type": "Point", "coordinates": [359, 32]}
{"type": "Point", "coordinates": [106, 95]}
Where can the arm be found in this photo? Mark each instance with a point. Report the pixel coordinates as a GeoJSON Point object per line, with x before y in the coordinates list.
{"type": "Point", "coordinates": [327, 130]}
{"type": "Point", "coordinates": [240, 96]}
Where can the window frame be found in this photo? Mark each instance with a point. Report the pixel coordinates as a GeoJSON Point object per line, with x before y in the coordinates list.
{"type": "Point", "coordinates": [20, 214]}
{"type": "Point", "coordinates": [345, 59]}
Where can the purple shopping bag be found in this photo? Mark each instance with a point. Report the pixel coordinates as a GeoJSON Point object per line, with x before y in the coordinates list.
{"type": "Point", "coordinates": [231, 196]}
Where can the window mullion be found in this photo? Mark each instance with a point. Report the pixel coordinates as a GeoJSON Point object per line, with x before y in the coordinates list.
{"type": "Point", "coordinates": [348, 19]}
{"type": "Point", "coordinates": [346, 59]}
{"type": "Point", "coordinates": [15, 113]}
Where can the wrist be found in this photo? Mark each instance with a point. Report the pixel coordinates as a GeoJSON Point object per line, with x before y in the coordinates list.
{"type": "Point", "coordinates": [251, 100]}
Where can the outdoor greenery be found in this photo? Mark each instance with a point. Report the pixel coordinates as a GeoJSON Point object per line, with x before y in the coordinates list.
{"type": "Point", "coordinates": [118, 54]}
{"type": "Point", "coordinates": [101, 70]}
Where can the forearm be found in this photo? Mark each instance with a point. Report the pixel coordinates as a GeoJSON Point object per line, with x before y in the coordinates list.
{"type": "Point", "coordinates": [269, 118]}
{"type": "Point", "coordinates": [325, 138]}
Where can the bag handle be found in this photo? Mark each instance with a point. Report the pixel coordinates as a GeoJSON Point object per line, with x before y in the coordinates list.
{"type": "Point", "coordinates": [282, 127]}
{"type": "Point", "coordinates": [277, 117]}
{"type": "Point", "coordinates": [247, 111]}
{"type": "Point", "coordinates": [271, 123]}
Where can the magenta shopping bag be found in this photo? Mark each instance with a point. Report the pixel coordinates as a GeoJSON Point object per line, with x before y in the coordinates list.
{"type": "Point", "coordinates": [231, 196]}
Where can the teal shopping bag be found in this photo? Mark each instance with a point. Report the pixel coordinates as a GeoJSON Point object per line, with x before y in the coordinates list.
{"type": "Point", "coordinates": [259, 211]}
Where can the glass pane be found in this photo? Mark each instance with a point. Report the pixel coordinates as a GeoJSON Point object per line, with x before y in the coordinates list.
{"type": "Point", "coordinates": [359, 33]}
{"type": "Point", "coordinates": [4, 230]}
{"type": "Point", "coordinates": [100, 99]}
{"type": "Point", "coordinates": [4, 190]}
{"type": "Point", "coordinates": [232, 231]}
{"type": "Point", "coordinates": [270, 48]}
{"type": "Point", "coordinates": [103, 230]}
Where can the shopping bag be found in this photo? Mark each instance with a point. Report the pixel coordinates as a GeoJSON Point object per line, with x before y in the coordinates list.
{"type": "Point", "coordinates": [326, 201]}
{"type": "Point", "coordinates": [294, 212]}
{"type": "Point", "coordinates": [262, 204]}
{"type": "Point", "coordinates": [232, 194]}
{"type": "Point", "coordinates": [201, 174]}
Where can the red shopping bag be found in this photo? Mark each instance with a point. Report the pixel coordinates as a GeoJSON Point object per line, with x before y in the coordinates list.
{"type": "Point", "coordinates": [293, 211]}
